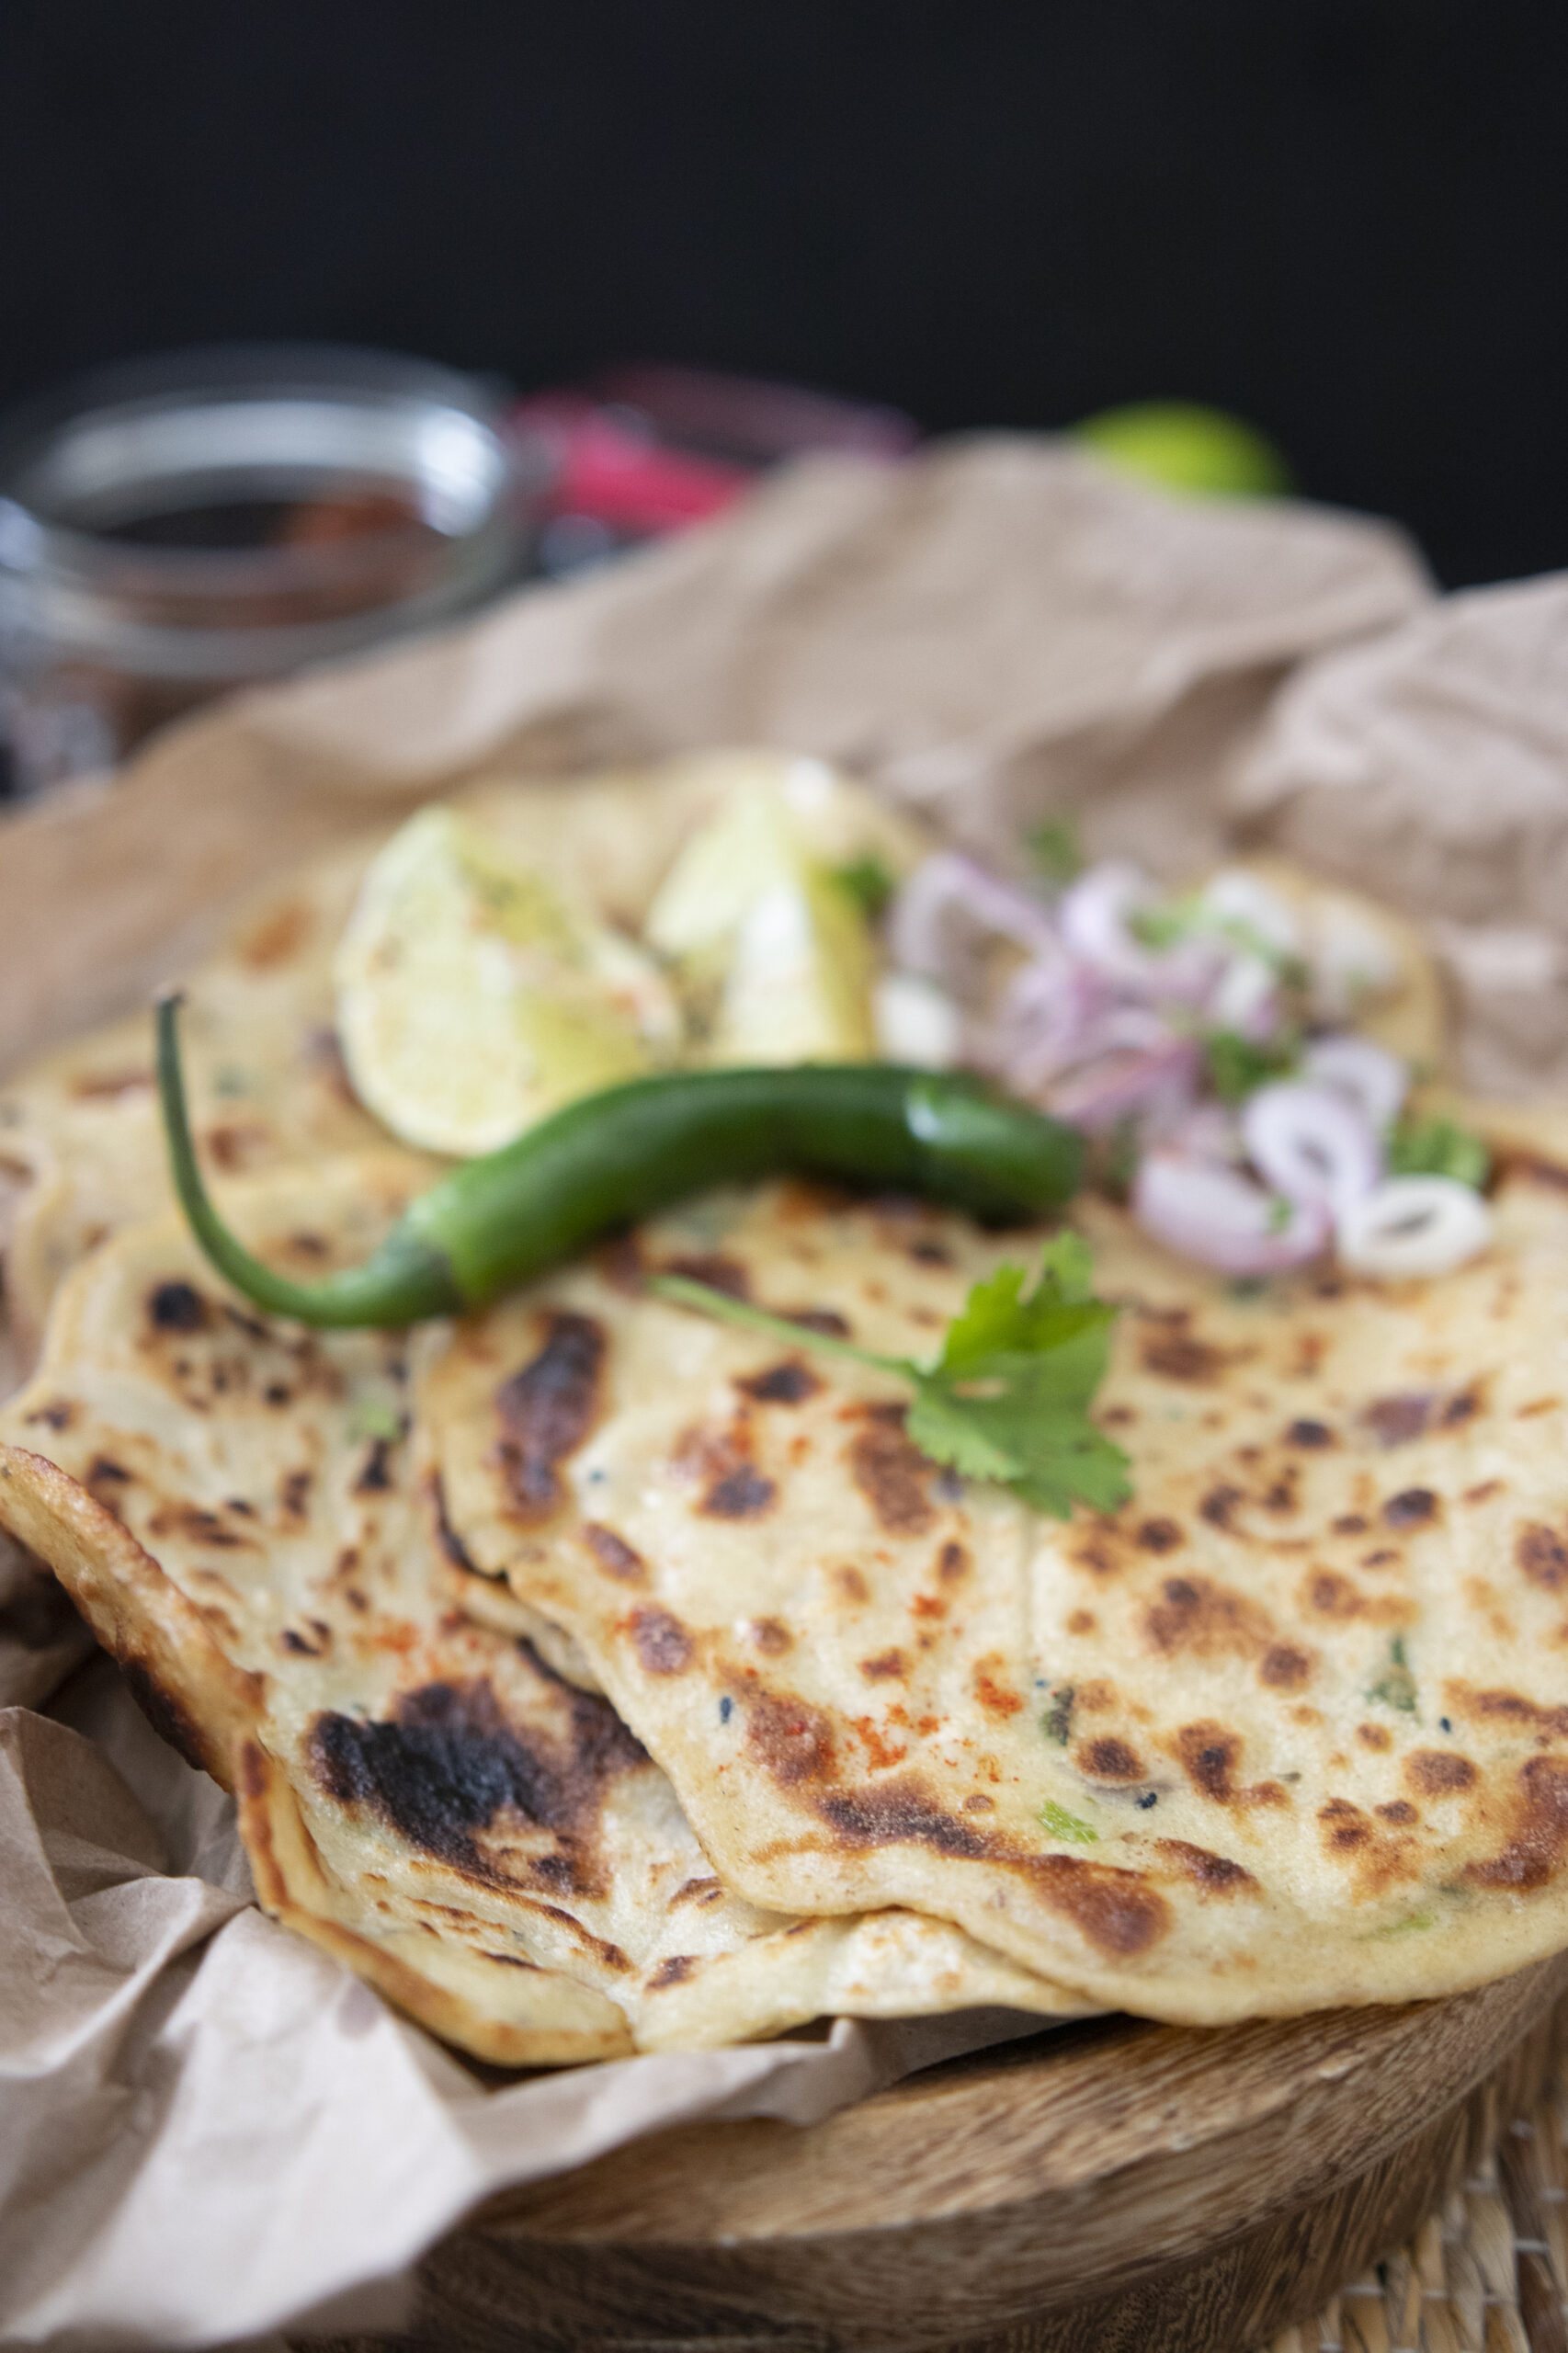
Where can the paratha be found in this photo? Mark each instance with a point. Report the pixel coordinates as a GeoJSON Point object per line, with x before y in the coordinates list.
{"type": "Point", "coordinates": [238, 1508]}
{"type": "Point", "coordinates": [1290, 1730]}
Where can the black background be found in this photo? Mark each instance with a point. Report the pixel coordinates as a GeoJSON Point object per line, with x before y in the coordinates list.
{"type": "Point", "coordinates": [1346, 219]}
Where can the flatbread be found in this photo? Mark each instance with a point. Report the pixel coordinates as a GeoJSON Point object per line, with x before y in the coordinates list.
{"type": "Point", "coordinates": [82, 1152]}
{"type": "Point", "coordinates": [1288, 1731]}
{"type": "Point", "coordinates": [238, 1508]}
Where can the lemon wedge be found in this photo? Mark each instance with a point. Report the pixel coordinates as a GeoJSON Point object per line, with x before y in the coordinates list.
{"type": "Point", "coordinates": [474, 995]}
{"type": "Point", "coordinates": [776, 958]}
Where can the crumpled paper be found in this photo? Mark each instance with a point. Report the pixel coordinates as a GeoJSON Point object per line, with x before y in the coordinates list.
{"type": "Point", "coordinates": [206, 2130]}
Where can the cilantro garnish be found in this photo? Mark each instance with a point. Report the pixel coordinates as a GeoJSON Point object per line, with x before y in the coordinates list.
{"type": "Point", "coordinates": [1008, 1397]}
{"type": "Point", "coordinates": [1237, 1066]}
{"type": "Point", "coordinates": [869, 881]}
{"type": "Point", "coordinates": [1396, 1686]}
{"type": "Point", "coordinates": [1056, 850]}
{"type": "Point", "coordinates": [1063, 1824]}
{"type": "Point", "coordinates": [1438, 1147]}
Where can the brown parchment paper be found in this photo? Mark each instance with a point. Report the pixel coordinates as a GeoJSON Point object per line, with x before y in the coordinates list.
{"type": "Point", "coordinates": [209, 2131]}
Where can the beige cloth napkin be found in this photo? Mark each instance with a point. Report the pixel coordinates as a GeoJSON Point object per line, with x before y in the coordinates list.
{"type": "Point", "coordinates": [206, 2130]}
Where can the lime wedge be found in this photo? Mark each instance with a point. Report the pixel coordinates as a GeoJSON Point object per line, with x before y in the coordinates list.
{"type": "Point", "coordinates": [473, 996]}
{"type": "Point", "coordinates": [775, 954]}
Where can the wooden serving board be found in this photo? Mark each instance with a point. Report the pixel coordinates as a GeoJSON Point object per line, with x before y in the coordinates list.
{"type": "Point", "coordinates": [1108, 2187]}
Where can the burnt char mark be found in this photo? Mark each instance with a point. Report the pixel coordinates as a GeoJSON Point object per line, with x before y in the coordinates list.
{"type": "Point", "coordinates": [169, 1715]}
{"type": "Point", "coordinates": [614, 1555]}
{"type": "Point", "coordinates": [106, 1482]}
{"type": "Point", "coordinates": [547, 1409]}
{"type": "Point", "coordinates": [1311, 1434]}
{"type": "Point", "coordinates": [789, 1383]}
{"type": "Point", "coordinates": [39, 1614]}
{"type": "Point", "coordinates": [1284, 1668]}
{"type": "Point", "coordinates": [886, 1662]}
{"type": "Point", "coordinates": [1195, 1618]}
{"type": "Point", "coordinates": [1109, 1760]}
{"type": "Point", "coordinates": [447, 1536]}
{"type": "Point", "coordinates": [1543, 1556]}
{"type": "Point", "coordinates": [176, 1307]}
{"type": "Point", "coordinates": [741, 1494]}
{"type": "Point", "coordinates": [1438, 1772]}
{"type": "Point", "coordinates": [673, 1972]}
{"type": "Point", "coordinates": [1218, 1505]}
{"type": "Point", "coordinates": [57, 1414]}
{"type": "Point", "coordinates": [1413, 1507]}
{"type": "Point", "coordinates": [1394, 1421]}
{"type": "Point", "coordinates": [711, 1267]}
{"type": "Point", "coordinates": [448, 1762]}
{"type": "Point", "coordinates": [1160, 1536]}
{"type": "Point", "coordinates": [901, 1812]}
{"type": "Point", "coordinates": [825, 1319]}
{"type": "Point", "coordinates": [789, 1738]}
{"type": "Point", "coordinates": [375, 1472]}
{"type": "Point", "coordinates": [1208, 1753]}
{"type": "Point", "coordinates": [1177, 1356]}
{"type": "Point", "coordinates": [1210, 1874]}
{"type": "Point", "coordinates": [1539, 1840]}
{"type": "Point", "coordinates": [1512, 1707]}
{"type": "Point", "coordinates": [1118, 1912]}
{"type": "Point", "coordinates": [892, 1472]}
{"type": "Point", "coordinates": [662, 1643]}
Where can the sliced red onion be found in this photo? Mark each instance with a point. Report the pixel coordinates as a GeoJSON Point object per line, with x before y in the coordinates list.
{"type": "Point", "coordinates": [1208, 1132]}
{"type": "Point", "coordinates": [1366, 1075]}
{"type": "Point", "coordinates": [1151, 1082]}
{"type": "Point", "coordinates": [1222, 1219]}
{"type": "Point", "coordinates": [1048, 1020]}
{"type": "Point", "coordinates": [1096, 915]}
{"type": "Point", "coordinates": [942, 918]}
{"type": "Point", "coordinates": [1245, 998]}
{"type": "Point", "coordinates": [1414, 1225]}
{"type": "Point", "coordinates": [1311, 1144]}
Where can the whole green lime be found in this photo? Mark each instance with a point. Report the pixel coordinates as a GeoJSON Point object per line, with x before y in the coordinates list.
{"type": "Point", "coordinates": [1183, 446]}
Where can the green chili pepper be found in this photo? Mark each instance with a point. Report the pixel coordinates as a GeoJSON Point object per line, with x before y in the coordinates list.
{"type": "Point", "coordinates": [632, 1149]}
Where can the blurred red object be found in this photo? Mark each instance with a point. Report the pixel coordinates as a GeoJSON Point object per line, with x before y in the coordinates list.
{"type": "Point", "coordinates": [646, 449]}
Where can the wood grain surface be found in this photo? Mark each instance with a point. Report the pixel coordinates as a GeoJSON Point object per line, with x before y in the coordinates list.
{"type": "Point", "coordinates": [1110, 2188]}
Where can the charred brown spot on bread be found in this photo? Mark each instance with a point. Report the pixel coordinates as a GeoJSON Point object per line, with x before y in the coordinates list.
{"type": "Point", "coordinates": [928, 1252]}
{"type": "Point", "coordinates": [375, 1472]}
{"type": "Point", "coordinates": [715, 1270]}
{"type": "Point", "coordinates": [294, 1494]}
{"type": "Point", "coordinates": [673, 1972]}
{"type": "Point", "coordinates": [767, 1634]}
{"type": "Point", "coordinates": [851, 1584]}
{"type": "Point", "coordinates": [614, 1555]}
{"type": "Point", "coordinates": [892, 1472]}
{"type": "Point", "coordinates": [107, 1480]}
{"type": "Point", "coordinates": [885, 1664]}
{"type": "Point", "coordinates": [1195, 1617]}
{"type": "Point", "coordinates": [546, 1409]}
{"type": "Point", "coordinates": [1333, 1595]}
{"type": "Point", "coordinates": [1542, 1556]}
{"type": "Point", "coordinates": [1177, 1354]}
{"type": "Point", "coordinates": [165, 1712]}
{"type": "Point", "coordinates": [448, 1761]}
{"type": "Point", "coordinates": [1159, 1535]}
{"type": "Point", "coordinates": [662, 1643]}
{"type": "Point", "coordinates": [998, 1697]}
{"type": "Point", "coordinates": [200, 1527]}
{"type": "Point", "coordinates": [825, 1319]}
{"type": "Point", "coordinates": [1412, 1507]}
{"type": "Point", "coordinates": [1208, 1754]}
{"type": "Point", "coordinates": [1284, 1668]}
{"type": "Point", "coordinates": [789, 1738]}
{"type": "Point", "coordinates": [1309, 1434]}
{"type": "Point", "coordinates": [1395, 1421]}
{"type": "Point", "coordinates": [1119, 1912]}
{"type": "Point", "coordinates": [1211, 1874]}
{"type": "Point", "coordinates": [1376, 1738]}
{"type": "Point", "coordinates": [1399, 1812]}
{"type": "Point", "coordinates": [447, 1536]}
{"type": "Point", "coordinates": [1346, 1827]}
{"type": "Point", "coordinates": [903, 1813]}
{"type": "Point", "coordinates": [1107, 1759]}
{"type": "Point", "coordinates": [58, 1414]}
{"type": "Point", "coordinates": [1218, 1505]}
{"type": "Point", "coordinates": [741, 1494]}
{"type": "Point", "coordinates": [176, 1307]}
{"type": "Point", "coordinates": [1508, 1706]}
{"type": "Point", "coordinates": [1538, 1840]}
{"type": "Point", "coordinates": [1438, 1772]}
{"type": "Point", "coordinates": [789, 1383]}
{"type": "Point", "coordinates": [953, 1563]}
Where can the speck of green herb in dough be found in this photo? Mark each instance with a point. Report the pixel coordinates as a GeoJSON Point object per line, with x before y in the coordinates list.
{"type": "Point", "coordinates": [1438, 1147]}
{"type": "Point", "coordinates": [1396, 1686]}
{"type": "Point", "coordinates": [869, 881]}
{"type": "Point", "coordinates": [1057, 851]}
{"type": "Point", "coordinates": [1063, 1824]}
{"type": "Point", "coordinates": [1057, 1722]}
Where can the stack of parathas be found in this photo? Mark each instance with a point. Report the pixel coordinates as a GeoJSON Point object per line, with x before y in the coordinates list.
{"type": "Point", "coordinates": [598, 1677]}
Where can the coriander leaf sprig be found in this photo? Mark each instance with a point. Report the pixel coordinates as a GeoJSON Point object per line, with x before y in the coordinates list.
{"type": "Point", "coordinates": [1008, 1397]}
